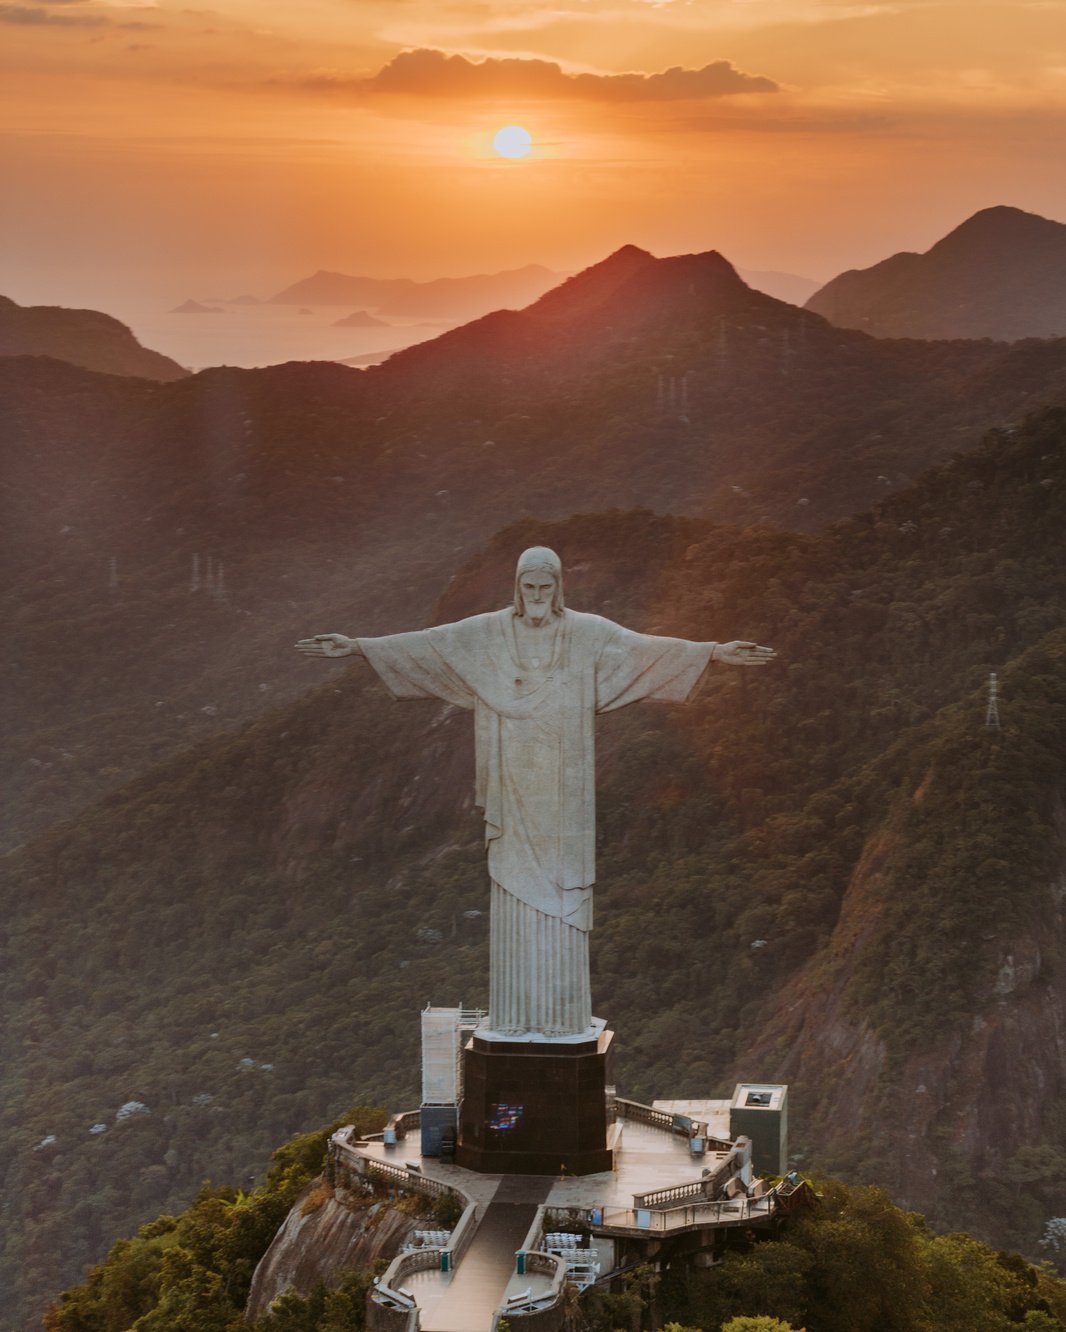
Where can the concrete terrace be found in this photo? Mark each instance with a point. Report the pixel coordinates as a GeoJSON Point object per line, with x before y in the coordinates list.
{"type": "Point", "coordinates": [659, 1187]}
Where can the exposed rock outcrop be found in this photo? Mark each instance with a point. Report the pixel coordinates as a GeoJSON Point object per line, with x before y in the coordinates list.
{"type": "Point", "coordinates": [328, 1233]}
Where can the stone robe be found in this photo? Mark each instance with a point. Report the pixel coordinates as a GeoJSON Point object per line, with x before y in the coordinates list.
{"type": "Point", "coordinates": [534, 733]}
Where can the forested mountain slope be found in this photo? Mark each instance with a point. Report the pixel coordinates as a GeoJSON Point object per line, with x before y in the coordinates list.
{"type": "Point", "coordinates": [850, 1261]}
{"type": "Point", "coordinates": [161, 540]}
{"type": "Point", "coordinates": [241, 939]}
{"type": "Point", "coordinates": [1000, 274]}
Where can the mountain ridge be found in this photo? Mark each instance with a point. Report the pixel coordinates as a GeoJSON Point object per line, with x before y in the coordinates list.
{"type": "Point", "coordinates": [85, 338]}
{"type": "Point", "coordinates": [665, 383]}
{"type": "Point", "coordinates": [1000, 274]}
{"type": "Point", "coordinates": [342, 831]}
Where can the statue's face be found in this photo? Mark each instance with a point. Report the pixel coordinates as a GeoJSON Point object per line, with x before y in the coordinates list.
{"type": "Point", "coordinates": [538, 589]}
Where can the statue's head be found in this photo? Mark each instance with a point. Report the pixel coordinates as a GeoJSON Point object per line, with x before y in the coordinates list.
{"type": "Point", "coordinates": [538, 583]}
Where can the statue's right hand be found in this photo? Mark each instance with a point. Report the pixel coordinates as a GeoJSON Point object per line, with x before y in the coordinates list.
{"type": "Point", "coordinates": [328, 645]}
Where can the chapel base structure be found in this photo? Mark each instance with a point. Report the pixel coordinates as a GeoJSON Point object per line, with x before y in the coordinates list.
{"type": "Point", "coordinates": [535, 1107]}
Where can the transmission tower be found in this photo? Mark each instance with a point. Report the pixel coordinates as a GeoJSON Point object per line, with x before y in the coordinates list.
{"type": "Point", "coordinates": [992, 715]}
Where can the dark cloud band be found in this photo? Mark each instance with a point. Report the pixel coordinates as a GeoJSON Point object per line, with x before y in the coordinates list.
{"type": "Point", "coordinates": [429, 73]}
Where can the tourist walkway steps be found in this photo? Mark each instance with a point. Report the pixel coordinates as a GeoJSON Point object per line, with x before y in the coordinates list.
{"type": "Point", "coordinates": [477, 1288]}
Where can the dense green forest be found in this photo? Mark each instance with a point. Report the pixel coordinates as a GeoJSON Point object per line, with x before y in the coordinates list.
{"type": "Point", "coordinates": [852, 1262]}
{"type": "Point", "coordinates": [235, 943]}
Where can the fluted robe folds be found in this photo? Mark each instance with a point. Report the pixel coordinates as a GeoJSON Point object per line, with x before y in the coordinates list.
{"type": "Point", "coordinates": [534, 733]}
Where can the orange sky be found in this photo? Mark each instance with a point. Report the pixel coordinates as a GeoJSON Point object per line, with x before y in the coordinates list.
{"type": "Point", "coordinates": [157, 147]}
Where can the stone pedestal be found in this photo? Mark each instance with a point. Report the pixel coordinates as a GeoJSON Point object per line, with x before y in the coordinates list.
{"type": "Point", "coordinates": [533, 1106]}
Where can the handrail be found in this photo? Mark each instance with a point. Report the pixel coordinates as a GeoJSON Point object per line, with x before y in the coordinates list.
{"type": "Point", "coordinates": [406, 1121]}
{"type": "Point", "coordinates": [546, 1317]}
{"type": "Point", "coordinates": [677, 1192]}
{"type": "Point", "coordinates": [461, 1235]}
{"type": "Point", "coordinates": [535, 1232]}
{"type": "Point", "coordinates": [388, 1292]}
{"type": "Point", "coordinates": [669, 1122]}
{"type": "Point", "coordinates": [729, 1211]}
{"type": "Point", "coordinates": [644, 1114]}
{"type": "Point", "coordinates": [447, 1257]}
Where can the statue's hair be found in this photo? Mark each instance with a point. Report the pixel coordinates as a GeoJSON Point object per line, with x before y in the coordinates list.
{"type": "Point", "coordinates": [539, 559]}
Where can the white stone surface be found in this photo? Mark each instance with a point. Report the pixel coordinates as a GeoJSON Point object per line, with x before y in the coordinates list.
{"type": "Point", "coordinates": [535, 675]}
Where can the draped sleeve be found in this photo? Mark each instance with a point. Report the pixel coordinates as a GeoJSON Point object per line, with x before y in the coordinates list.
{"type": "Point", "coordinates": [632, 666]}
{"type": "Point", "coordinates": [443, 662]}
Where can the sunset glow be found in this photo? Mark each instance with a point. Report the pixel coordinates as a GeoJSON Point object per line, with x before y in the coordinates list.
{"type": "Point", "coordinates": [156, 147]}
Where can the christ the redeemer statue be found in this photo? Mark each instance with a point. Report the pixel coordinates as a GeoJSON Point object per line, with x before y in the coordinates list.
{"type": "Point", "coordinates": [535, 674]}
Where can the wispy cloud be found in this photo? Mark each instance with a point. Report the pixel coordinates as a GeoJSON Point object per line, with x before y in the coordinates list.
{"type": "Point", "coordinates": [432, 73]}
{"type": "Point", "coordinates": [28, 16]}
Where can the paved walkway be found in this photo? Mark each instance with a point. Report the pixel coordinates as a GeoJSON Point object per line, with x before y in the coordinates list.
{"type": "Point", "coordinates": [480, 1283]}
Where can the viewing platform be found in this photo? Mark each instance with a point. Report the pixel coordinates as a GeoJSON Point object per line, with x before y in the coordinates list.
{"type": "Point", "coordinates": [679, 1187]}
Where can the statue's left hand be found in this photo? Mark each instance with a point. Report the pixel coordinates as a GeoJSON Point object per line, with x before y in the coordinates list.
{"type": "Point", "coordinates": [329, 645]}
{"type": "Point", "coordinates": [739, 653]}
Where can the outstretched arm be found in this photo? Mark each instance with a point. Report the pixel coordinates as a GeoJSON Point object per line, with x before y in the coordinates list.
{"type": "Point", "coordinates": [330, 645]}
{"type": "Point", "coordinates": [740, 653]}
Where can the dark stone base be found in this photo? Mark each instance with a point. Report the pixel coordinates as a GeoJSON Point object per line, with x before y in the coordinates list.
{"type": "Point", "coordinates": [534, 1109]}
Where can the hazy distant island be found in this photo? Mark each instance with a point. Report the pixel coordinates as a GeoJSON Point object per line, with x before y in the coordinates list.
{"type": "Point", "coordinates": [194, 307]}
{"type": "Point", "coordinates": [360, 319]}
{"type": "Point", "coordinates": [465, 297]}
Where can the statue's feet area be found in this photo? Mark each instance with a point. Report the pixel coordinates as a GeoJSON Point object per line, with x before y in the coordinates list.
{"type": "Point", "coordinates": [534, 1106]}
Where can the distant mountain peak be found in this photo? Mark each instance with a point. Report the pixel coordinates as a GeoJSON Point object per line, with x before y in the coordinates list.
{"type": "Point", "coordinates": [594, 284]}
{"type": "Point", "coordinates": [705, 261]}
{"type": "Point", "coordinates": [196, 307]}
{"type": "Point", "coordinates": [626, 254]}
{"type": "Point", "coordinates": [999, 274]}
{"type": "Point", "coordinates": [999, 225]}
{"type": "Point", "coordinates": [998, 214]}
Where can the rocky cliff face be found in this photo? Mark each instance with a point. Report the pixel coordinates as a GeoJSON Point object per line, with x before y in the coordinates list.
{"type": "Point", "coordinates": [328, 1233]}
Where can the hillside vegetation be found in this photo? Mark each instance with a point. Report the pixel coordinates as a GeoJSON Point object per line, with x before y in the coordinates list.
{"type": "Point", "coordinates": [852, 1263]}
{"type": "Point", "coordinates": [334, 498]}
{"type": "Point", "coordinates": [237, 940]}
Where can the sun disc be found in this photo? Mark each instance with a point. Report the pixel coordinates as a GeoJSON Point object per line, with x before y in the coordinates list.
{"type": "Point", "coordinates": [513, 141]}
